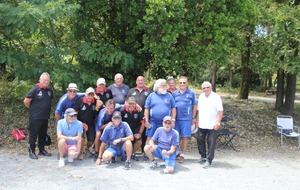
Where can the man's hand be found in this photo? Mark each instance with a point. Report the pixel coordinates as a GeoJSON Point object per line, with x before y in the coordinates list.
{"type": "Point", "coordinates": [137, 136]}
{"type": "Point", "coordinates": [164, 152]}
{"type": "Point", "coordinates": [76, 138]}
{"type": "Point", "coordinates": [85, 126]}
{"type": "Point", "coordinates": [98, 161]}
{"type": "Point", "coordinates": [147, 125]}
{"type": "Point", "coordinates": [117, 141]}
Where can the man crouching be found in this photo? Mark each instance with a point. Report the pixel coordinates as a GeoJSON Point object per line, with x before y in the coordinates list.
{"type": "Point", "coordinates": [69, 136]}
{"type": "Point", "coordinates": [118, 136]}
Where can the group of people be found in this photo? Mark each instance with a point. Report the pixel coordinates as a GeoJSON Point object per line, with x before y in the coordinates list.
{"type": "Point", "coordinates": [117, 121]}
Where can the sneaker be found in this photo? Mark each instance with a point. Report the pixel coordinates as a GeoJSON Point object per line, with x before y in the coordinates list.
{"type": "Point", "coordinates": [153, 165]}
{"type": "Point", "coordinates": [145, 158]}
{"type": "Point", "coordinates": [177, 156]}
{"type": "Point", "coordinates": [32, 155]}
{"type": "Point", "coordinates": [95, 156]}
{"type": "Point", "coordinates": [165, 171]}
{"type": "Point", "coordinates": [61, 163]}
{"type": "Point", "coordinates": [123, 158]}
{"type": "Point", "coordinates": [113, 160]}
{"type": "Point", "coordinates": [44, 153]}
{"type": "Point", "coordinates": [127, 165]}
{"type": "Point", "coordinates": [134, 157]}
{"type": "Point", "coordinates": [207, 164]}
{"type": "Point", "coordinates": [202, 160]}
{"type": "Point", "coordinates": [70, 159]}
{"type": "Point", "coordinates": [181, 159]}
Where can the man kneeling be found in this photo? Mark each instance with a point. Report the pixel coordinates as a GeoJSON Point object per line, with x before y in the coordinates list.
{"type": "Point", "coordinates": [118, 136]}
{"type": "Point", "coordinates": [166, 139]}
{"type": "Point", "coordinates": [69, 136]}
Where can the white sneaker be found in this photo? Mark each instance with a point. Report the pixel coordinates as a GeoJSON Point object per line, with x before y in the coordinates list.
{"type": "Point", "coordinates": [70, 159]}
{"type": "Point", "coordinates": [61, 163]}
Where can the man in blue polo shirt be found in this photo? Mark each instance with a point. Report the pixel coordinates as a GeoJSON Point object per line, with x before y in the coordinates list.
{"type": "Point", "coordinates": [186, 108]}
{"type": "Point", "coordinates": [158, 104]}
{"type": "Point", "coordinates": [118, 137]}
{"type": "Point", "coordinates": [38, 101]}
{"type": "Point", "coordinates": [163, 145]}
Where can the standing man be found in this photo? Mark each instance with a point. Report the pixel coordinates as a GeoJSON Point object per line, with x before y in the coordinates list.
{"type": "Point", "coordinates": [186, 108]}
{"type": "Point", "coordinates": [141, 92]}
{"type": "Point", "coordinates": [118, 137]}
{"type": "Point", "coordinates": [38, 101]}
{"type": "Point", "coordinates": [102, 92]}
{"type": "Point", "coordinates": [119, 90]}
{"type": "Point", "coordinates": [135, 119]}
{"type": "Point", "coordinates": [209, 116]}
{"type": "Point", "coordinates": [69, 136]}
{"type": "Point", "coordinates": [166, 139]}
{"type": "Point", "coordinates": [67, 101]}
{"type": "Point", "coordinates": [172, 85]}
{"type": "Point", "coordinates": [158, 104]}
{"type": "Point", "coordinates": [87, 108]}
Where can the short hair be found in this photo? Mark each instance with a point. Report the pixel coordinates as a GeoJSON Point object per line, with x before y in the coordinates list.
{"type": "Point", "coordinates": [170, 78]}
{"type": "Point", "coordinates": [110, 102]}
{"type": "Point", "coordinates": [120, 75]}
{"type": "Point", "coordinates": [45, 73]}
{"type": "Point", "coordinates": [158, 83]}
{"type": "Point", "coordinates": [207, 83]}
{"type": "Point", "coordinates": [184, 77]}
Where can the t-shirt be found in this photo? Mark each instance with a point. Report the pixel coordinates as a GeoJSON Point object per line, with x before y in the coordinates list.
{"type": "Point", "coordinates": [65, 103]}
{"type": "Point", "coordinates": [69, 130]}
{"type": "Point", "coordinates": [133, 119]}
{"type": "Point", "coordinates": [111, 133]}
{"type": "Point", "coordinates": [208, 109]}
{"type": "Point", "coordinates": [119, 93]}
{"type": "Point", "coordinates": [86, 113]}
{"type": "Point", "coordinates": [184, 104]}
{"type": "Point", "coordinates": [159, 106]}
{"type": "Point", "coordinates": [165, 140]}
{"type": "Point", "coordinates": [107, 95]}
{"type": "Point", "coordinates": [40, 104]}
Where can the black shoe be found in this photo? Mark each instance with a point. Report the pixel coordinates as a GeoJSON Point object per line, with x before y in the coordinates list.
{"type": "Point", "coordinates": [32, 155]}
{"type": "Point", "coordinates": [113, 160]}
{"type": "Point", "coordinates": [44, 153]}
{"type": "Point", "coordinates": [134, 157]}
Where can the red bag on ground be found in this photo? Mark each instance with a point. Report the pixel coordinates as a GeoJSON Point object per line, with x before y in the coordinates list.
{"type": "Point", "coordinates": [18, 134]}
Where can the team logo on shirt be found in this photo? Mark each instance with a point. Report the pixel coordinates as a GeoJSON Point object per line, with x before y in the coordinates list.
{"type": "Point", "coordinates": [49, 93]}
{"type": "Point", "coordinates": [166, 100]}
{"type": "Point", "coordinates": [126, 115]}
{"type": "Point", "coordinates": [107, 95]}
{"type": "Point", "coordinates": [135, 116]}
{"type": "Point", "coordinates": [83, 108]}
{"type": "Point", "coordinates": [146, 93]}
{"type": "Point", "coordinates": [40, 93]}
{"type": "Point", "coordinates": [187, 96]}
{"type": "Point", "coordinates": [133, 94]}
{"type": "Point", "coordinates": [94, 107]}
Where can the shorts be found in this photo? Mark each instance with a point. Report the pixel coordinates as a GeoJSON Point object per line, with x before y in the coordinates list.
{"type": "Point", "coordinates": [154, 125]}
{"type": "Point", "coordinates": [71, 147]}
{"type": "Point", "coordinates": [120, 151]}
{"type": "Point", "coordinates": [184, 128]}
{"type": "Point", "coordinates": [169, 160]}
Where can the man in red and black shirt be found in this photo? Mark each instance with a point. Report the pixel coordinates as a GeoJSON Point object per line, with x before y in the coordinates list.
{"type": "Point", "coordinates": [38, 101]}
{"type": "Point", "coordinates": [87, 108]}
{"type": "Point", "coordinates": [102, 92]}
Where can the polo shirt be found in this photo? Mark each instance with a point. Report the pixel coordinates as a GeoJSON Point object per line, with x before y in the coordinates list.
{"type": "Point", "coordinates": [86, 113]}
{"type": "Point", "coordinates": [40, 105]}
{"type": "Point", "coordinates": [107, 95]}
{"type": "Point", "coordinates": [165, 140]}
{"type": "Point", "coordinates": [65, 103]}
{"type": "Point", "coordinates": [133, 119]}
{"type": "Point", "coordinates": [140, 96]}
{"type": "Point", "coordinates": [184, 104]}
{"type": "Point", "coordinates": [69, 130]}
{"type": "Point", "coordinates": [119, 93]}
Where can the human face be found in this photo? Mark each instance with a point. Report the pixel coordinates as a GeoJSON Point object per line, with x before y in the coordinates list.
{"type": "Point", "coordinates": [183, 84]}
{"type": "Point", "coordinates": [119, 79]}
{"type": "Point", "coordinates": [172, 84]}
{"type": "Point", "coordinates": [167, 125]}
{"type": "Point", "coordinates": [162, 88]}
{"type": "Point", "coordinates": [140, 82]}
{"type": "Point", "coordinates": [72, 94]}
{"type": "Point", "coordinates": [71, 119]}
{"type": "Point", "coordinates": [206, 89]}
{"type": "Point", "coordinates": [116, 121]}
{"type": "Point", "coordinates": [45, 80]}
{"type": "Point", "coordinates": [131, 106]}
{"type": "Point", "coordinates": [89, 97]}
{"type": "Point", "coordinates": [110, 109]}
{"type": "Point", "coordinates": [101, 87]}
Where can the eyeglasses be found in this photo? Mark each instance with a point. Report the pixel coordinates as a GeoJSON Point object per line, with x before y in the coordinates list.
{"type": "Point", "coordinates": [168, 123]}
{"type": "Point", "coordinates": [72, 91]}
{"type": "Point", "coordinates": [182, 82]}
{"type": "Point", "coordinates": [73, 115]}
{"type": "Point", "coordinates": [205, 88]}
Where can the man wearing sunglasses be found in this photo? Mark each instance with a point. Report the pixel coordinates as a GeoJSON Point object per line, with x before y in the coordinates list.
{"type": "Point", "coordinates": [67, 101]}
{"type": "Point", "coordinates": [186, 107]}
{"type": "Point", "coordinates": [209, 115]}
{"type": "Point", "coordinates": [69, 136]}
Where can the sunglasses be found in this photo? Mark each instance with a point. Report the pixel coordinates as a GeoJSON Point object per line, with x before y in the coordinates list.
{"type": "Point", "coordinates": [205, 88]}
{"type": "Point", "coordinates": [182, 82]}
{"type": "Point", "coordinates": [72, 91]}
{"type": "Point", "coordinates": [73, 115]}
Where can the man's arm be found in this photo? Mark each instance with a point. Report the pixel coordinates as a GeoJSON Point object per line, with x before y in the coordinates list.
{"type": "Point", "coordinates": [27, 102]}
{"type": "Point", "coordinates": [146, 117]}
{"type": "Point", "coordinates": [57, 116]}
{"type": "Point", "coordinates": [173, 115]}
{"type": "Point", "coordinates": [218, 122]}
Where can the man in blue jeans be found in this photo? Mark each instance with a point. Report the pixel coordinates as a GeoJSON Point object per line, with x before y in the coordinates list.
{"type": "Point", "coordinates": [163, 145]}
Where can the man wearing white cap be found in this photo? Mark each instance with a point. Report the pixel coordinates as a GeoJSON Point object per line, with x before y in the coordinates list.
{"type": "Point", "coordinates": [163, 145]}
{"type": "Point", "coordinates": [102, 92]}
{"type": "Point", "coordinates": [67, 101]}
{"type": "Point", "coordinates": [87, 108]}
{"type": "Point", "coordinates": [69, 136]}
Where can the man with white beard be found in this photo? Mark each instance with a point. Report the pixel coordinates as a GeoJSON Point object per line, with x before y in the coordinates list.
{"type": "Point", "coordinates": [158, 104]}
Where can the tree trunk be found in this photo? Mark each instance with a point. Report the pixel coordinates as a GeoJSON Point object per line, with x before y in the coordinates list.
{"type": "Point", "coordinates": [246, 71]}
{"type": "Point", "coordinates": [279, 90]}
{"type": "Point", "coordinates": [291, 80]}
{"type": "Point", "coordinates": [270, 83]}
{"type": "Point", "coordinates": [214, 77]}
{"type": "Point", "coordinates": [230, 76]}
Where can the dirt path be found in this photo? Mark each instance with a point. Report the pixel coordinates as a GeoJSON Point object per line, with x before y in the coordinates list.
{"type": "Point", "coordinates": [230, 170]}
